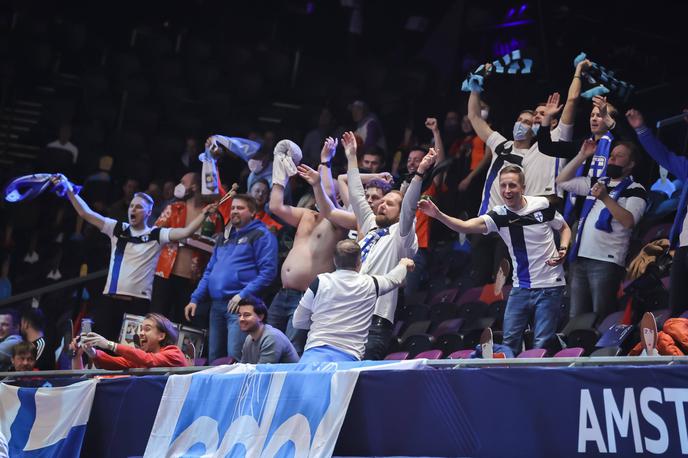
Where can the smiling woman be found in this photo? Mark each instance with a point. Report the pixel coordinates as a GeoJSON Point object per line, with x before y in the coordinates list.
{"type": "Point", "coordinates": [157, 338]}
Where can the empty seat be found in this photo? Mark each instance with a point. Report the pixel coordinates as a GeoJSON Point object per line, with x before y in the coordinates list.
{"type": "Point", "coordinates": [572, 352]}
{"type": "Point", "coordinates": [470, 295]}
{"type": "Point", "coordinates": [606, 351]}
{"type": "Point", "coordinates": [448, 343]}
{"type": "Point", "coordinates": [223, 360]}
{"type": "Point", "coordinates": [470, 311]}
{"type": "Point", "coordinates": [533, 353]}
{"type": "Point", "coordinates": [397, 356]}
{"type": "Point", "coordinates": [584, 338]}
{"type": "Point", "coordinates": [582, 321]}
{"type": "Point", "coordinates": [461, 354]}
{"type": "Point", "coordinates": [429, 354]}
{"type": "Point", "coordinates": [442, 311]}
{"type": "Point", "coordinates": [417, 344]}
{"type": "Point", "coordinates": [450, 326]}
{"type": "Point", "coordinates": [446, 295]}
{"type": "Point", "coordinates": [610, 320]}
{"type": "Point", "coordinates": [417, 327]}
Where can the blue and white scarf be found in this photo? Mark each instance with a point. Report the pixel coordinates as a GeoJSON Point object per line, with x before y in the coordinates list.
{"type": "Point", "coordinates": [29, 187]}
{"type": "Point", "coordinates": [371, 239]}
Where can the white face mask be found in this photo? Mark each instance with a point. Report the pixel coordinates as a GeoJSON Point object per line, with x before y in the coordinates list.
{"type": "Point", "coordinates": [180, 191]}
{"type": "Point", "coordinates": [255, 165]}
{"type": "Point", "coordinates": [520, 131]}
{"type": "Point", "coordinates": [484, 113]}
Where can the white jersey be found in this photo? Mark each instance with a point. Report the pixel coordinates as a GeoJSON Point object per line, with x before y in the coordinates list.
{"type": "Point", "coordinates": [133, 258]}
{"type": "Point", "coordinates": [529, 235]}
{"type": "Point", "coordinates": [540, 170]}
{"type": "Point", "coordinates": [598, 244]}
{"type": "Point", "coordinates": [337, 308]}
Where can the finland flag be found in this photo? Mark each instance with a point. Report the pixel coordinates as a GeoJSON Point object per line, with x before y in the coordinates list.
{"type": "Point", "coordinates": [45, 422]}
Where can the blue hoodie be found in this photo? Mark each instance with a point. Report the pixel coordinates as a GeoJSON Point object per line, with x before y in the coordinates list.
{"type": "Point", "coordinates": [244, 263]}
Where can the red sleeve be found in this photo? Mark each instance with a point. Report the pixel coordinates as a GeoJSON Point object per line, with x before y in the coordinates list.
{"type": "Point", "coordinates": [169, 356]}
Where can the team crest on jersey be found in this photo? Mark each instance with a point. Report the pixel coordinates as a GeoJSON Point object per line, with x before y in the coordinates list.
{"type": "Point", "coordinates": [242, 240]}
{"type": "Point", "coordinates": [145, 238]}
{"type": "Point", "coordinates": [538, 216]}
{"type": "Point", "coordinates": [500, 210]}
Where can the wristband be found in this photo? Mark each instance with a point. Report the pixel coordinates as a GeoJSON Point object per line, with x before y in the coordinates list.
{"type": "Point", "coordinates": [563, 248]}
{"type": "Point", "coordinates": [111, 346]}
{"type": "Point", "coordinates": [418, 174]}
{"type": "Point", "coordinates": [327, 164]}
{"type": "Point", "coordinates": [577, 76]}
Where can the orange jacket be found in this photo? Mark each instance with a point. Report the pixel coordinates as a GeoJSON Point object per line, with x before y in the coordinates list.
{"type": "Point", "coordinates": [131, 358]}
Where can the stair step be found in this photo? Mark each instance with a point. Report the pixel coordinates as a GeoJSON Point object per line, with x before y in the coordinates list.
{"type": "Point", "coordinates": [24, 146]}
{"type": "Point", "coordinates": [22, 111]}
{"type": "Point", "coordinates": [21, 155]}
{"type": "Point", "coordinates": [14, 119]}
{"type": "Point", "coordinates": [28, 103]}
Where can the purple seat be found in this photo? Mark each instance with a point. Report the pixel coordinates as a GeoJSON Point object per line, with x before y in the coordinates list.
{"type": "Point", "coordinates": [610, 320]}
{"type": "Point", "coordinates": [223, 360]}
{"type": "Point", "coordinates": [200, 361]}
{"type": "Point", "coordinates": [659, 231]}
{"type": "Point", "coordinates": [446, 295]}
{"type": "Point", "coordinates": [533, 353]}
{"type": "Point", "coordinates": [460, 354]}
{"type": "Point", "coordinates": [398, 356]}
{"type": "Point", "coordinates": [448, 327]}
{"type": "Point", "coordinates": [470, 295]}
{"type": "Point", "coordinates": [430, 354]}
{"type": "Point", "coordinates": [572, 352]}
{"type": "Point", "coordinates": [684, 314]}
{"type": "Point", "coordinates": [666, 282]}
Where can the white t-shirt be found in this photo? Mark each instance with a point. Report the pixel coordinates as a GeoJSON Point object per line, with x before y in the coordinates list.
{"type": "Point", "coordinates": [540, 170]}
{"type": "Point", "coordinates": [529, 235]}
{"type": "Point", "coordinates": [133, 258]}
{"type": "Point", "coordinates": [598, 244]}
{"type": "Point", "coordinates": [683, 236]}
{"type": "Point", "coordinates": [338, 307]}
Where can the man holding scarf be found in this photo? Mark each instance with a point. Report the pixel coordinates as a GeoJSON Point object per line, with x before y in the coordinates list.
{"type": "Point", "coordinates": [614, 204]}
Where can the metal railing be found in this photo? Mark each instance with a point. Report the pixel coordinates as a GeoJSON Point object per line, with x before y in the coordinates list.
{"type": "Point", "coordinates": [37, 293]}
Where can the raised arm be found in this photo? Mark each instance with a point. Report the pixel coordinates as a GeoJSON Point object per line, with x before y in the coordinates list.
{"type": "Point", "coordinates": [395, 277]}
{"type": "Point", "coordinates": [569, 171]}
{"type": "Point", "coordinates": [181, 233]}
{"type": "Point", "coordinates": [471, 226]}
{"type": "Point", "coordinates": [569, 114]}
{"type": "Point", "coordinates": [364, 214]}
{"type": "Point", "coordinates": [480, 126]}
{"type": "Point", "coordinates": [326, 207]}
{"type": "Point", "coordinates": [678, 165]}
{"type": "Point", "coordinates": [412, 194]}
{"type": "Point", "coordinates": [81, 207]}
{"type": "Point", "coordinates": [366, 178]}
{"type": "Point", "coordinates": [290, 215]}
{"type": "Point", "coordinates": [326, 155]}
{"type": "Point", "coordinates": [431, 123]}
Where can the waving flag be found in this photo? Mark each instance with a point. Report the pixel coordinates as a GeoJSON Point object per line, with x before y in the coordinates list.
{"type": "Point", "coordinates": [31, 186]}
{"type": "Point", "coordinates": [45, 422]}
{"type": "Point", "coordinates": [271, 410]}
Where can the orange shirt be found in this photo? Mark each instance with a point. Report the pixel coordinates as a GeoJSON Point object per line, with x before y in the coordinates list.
{"type": "Point", "coordinates": [423, 220]}
{"type": "Point", "coordinates": [475, 145]}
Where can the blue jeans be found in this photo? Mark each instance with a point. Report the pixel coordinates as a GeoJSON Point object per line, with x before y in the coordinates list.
{"type": "Point", "coordinates": [224, 336]}
{"type": "Point", "coordinates": [325, 354]}
{"type": "Point", "coordinates": [280, 314]}
{"type": "Point", "coordinates": [594, 285]}
{"type": "Point", "coordinates": [543, 303]}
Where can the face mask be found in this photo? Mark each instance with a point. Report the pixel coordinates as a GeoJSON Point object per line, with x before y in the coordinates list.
{"type": "Point", "coordinates": [614, 171]}
{"type": "Point", "coordinates": [180, 191]}
{"type": "Point", "coordinates": [535, 128]}
{"type": "Point", "coordinates": [255, 165]}
{"type": "Point", "coordinates": [520, 131]}
{"type": "Point", "coordinates": [484, 113]}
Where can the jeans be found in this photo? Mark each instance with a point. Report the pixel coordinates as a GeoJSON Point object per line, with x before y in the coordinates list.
{"type": "Point", "coordinates": [543, 303]}
{"type": "Point", "coordinates": [224, 336]}
{"type": "Point", "coordinates": [594, 285]}
{"type": "Point", "coordinates": [419, 274]}
{"type": "Point", "coordinates": [280, 314]}
{"type": "Point", "coordinates": [678, 286]}
{"type": "Point", "coordinates": [326, 354]}
{"type": "Point", "coordinates": [379, 338]}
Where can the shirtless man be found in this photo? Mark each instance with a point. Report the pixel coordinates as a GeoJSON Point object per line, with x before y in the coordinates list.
{"type": "Point", "coordinates": [311, 254]}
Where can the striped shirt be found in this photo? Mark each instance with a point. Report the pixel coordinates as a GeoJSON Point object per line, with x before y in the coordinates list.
{"type": "Point", "coordinates": [529, 235]}
{"type": "Point", "coordinates": [133, 258]}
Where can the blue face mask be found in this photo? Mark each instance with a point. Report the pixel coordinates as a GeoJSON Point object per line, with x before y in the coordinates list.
{"type": "Point", "coordinates": [535, 128]}
{"type": "Point", "coordinates": [520, 131]}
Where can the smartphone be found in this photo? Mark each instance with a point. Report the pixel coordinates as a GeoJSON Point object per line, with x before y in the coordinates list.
{"type": "Point", "coordinates": [86, 325]}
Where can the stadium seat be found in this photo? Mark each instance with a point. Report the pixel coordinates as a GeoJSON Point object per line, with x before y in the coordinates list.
{"type": "Point", "coordinates": [610, 320]}
{"type": "Point", "coordinates": [659, 231]}
{"type": "Point", "coordinates": [461, 354]}
{"type": "Point", "coordinates": [450, 326]}
{"type": "Point", "coordinates": [571, 352]}
{"type": "Point", "coordinates": [417, 327]}
{"type": "Point", "coordinates": [583, 338]}
{"type": "Point", "coordinates": [533, 353]}
{"type": "Point", "coordinates": [223, 360]}
{"type": "Point", "coordinates": [442, 311]}
{"type": "Point", "coordinates": [582, 321]}
{"type": "Point", "coordinates": [496, 310]}
{"type": "Point", "coordinates": [470, 295]}
{"type": "Point", "coordinates": [200, 361]}
{"type": "Point", "coordinates": [417, 343]}
{"type": "Point", "coordinates": [429, 354]}
{"type": "Point", "coordinates": [448, 343]}
{"type": "Point", "coordinates": [471, 311]}
{"type": "Point", "coordinates": [446, 295]}
{"type": "Point", "coordinates": [397, 356]}
{"type": "Point", "coordinates": [606, 351]}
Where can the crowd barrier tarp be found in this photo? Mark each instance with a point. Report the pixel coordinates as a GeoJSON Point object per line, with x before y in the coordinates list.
{"type": "Point", "coordinates": [477, 412]}
{"type": "Point", "coordinates": [45, 421]}
{"type": "Point", "coordinates": [293, 410]}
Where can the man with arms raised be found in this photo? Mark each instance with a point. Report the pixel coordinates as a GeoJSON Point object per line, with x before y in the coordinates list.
{"type": "Point", "coordinates": [527, 225]}
{"type": "Point", "coordinates": [135, 251]}
{"type": "Point", "coordinates": [387, 237]}
{"type": "Point", "coordinates": [310, 255]}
